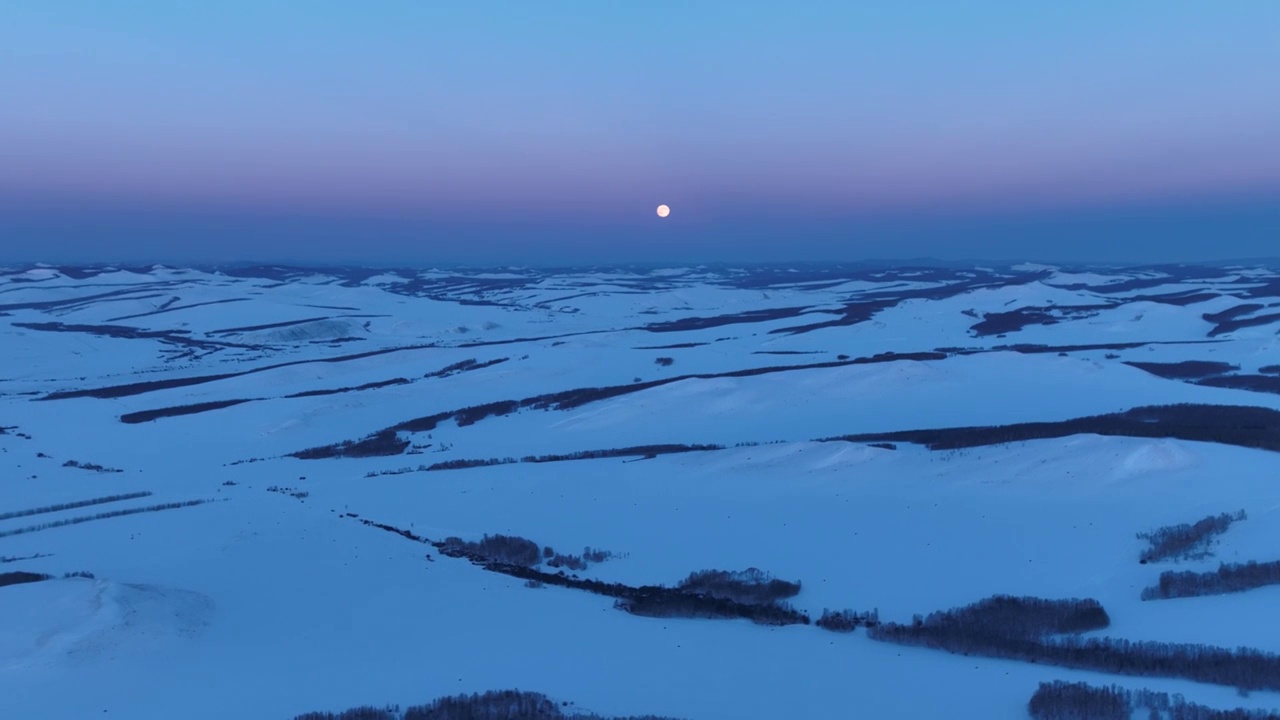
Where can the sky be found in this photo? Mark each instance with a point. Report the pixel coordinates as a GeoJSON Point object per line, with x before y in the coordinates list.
{"type": "Point", "coordinates": [484, 132]}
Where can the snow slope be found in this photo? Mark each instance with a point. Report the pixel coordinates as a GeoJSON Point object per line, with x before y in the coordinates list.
{"type": "Point", "coordinates": [273, 599]}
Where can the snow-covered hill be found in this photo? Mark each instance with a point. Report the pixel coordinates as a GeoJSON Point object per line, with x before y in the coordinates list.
{"type": "Point", "coordinates": [207, 444]}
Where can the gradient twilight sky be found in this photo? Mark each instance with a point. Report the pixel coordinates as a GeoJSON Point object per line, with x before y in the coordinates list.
{"type": "Point", "coordinates": [421, 131]}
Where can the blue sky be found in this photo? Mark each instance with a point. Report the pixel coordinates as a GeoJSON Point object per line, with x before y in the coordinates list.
{"type": "Point", "coordinates": [406, 131]}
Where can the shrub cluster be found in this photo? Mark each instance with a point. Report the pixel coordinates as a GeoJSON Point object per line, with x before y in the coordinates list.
{"type": "Point", "coordinates": [571, 562]}
{"type": "Point", "coordinates": [747, 586]}
{"type": "Point", "coordinates": [503, 549]}
{"type": "Point", "coordinates": [847, 620]}
{"type": "Point", "coordinates": [660, 601]}
{"type": "Point", "coordinates": [596, 555]}
{"type": "Point", "coordinates": [90, 466]}
{"type": "Point", "coordinates": [576, 562]}
{"type": "Point", "coordinates": [665, 602]}
{"type": "Point", "coordinates": [291, 492]}
{"type": "Point", "coordinates": [514, 550]}
{"type": "Point", "coordinates": [397, 471]}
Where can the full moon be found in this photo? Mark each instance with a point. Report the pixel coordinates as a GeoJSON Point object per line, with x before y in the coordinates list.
{"type": "Point", "coordinates": [663, 211]}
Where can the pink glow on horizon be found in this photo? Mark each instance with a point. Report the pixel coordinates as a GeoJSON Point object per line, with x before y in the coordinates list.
{"type": "Point", "coordinates": [594, 183]}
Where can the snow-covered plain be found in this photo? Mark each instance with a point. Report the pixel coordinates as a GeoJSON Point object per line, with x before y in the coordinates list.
{"type": "Point", "coordinates": [261, 604]}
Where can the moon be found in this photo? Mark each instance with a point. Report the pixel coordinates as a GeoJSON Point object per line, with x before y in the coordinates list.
{"type": "Point", "coordinates": [663, 211]}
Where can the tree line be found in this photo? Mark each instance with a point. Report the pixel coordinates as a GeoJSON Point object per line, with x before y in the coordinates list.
{"type": "Point", "coordinates": [1046, 631]}
{"type": "Point", "coordinates": [1061, 700]}
{"type": "Point", "coordinates": [101, 516]}
{"type": "Point", "coordinates": [21, 577]}
{"type": "Point", "coordinates": [464, 366]}
{"type": "Point", "coordinates": [646, 451]}
{"type": "Point", "coordinates": [1185, 370]}
{"type": "Point", "coordinates": [1240, 425]}
{"type": "Point", "coordinates": [1186, 541]}
{"type": "Point", "coordinates": [650, 600]}
{"type": "Point", "coordinates": [491, 705]}
{"type": "Point", "coordinates": [73, 505]}
{"type": "Point", "coordinates": [1228, 578]}
{"type": "Point", "coordinates": [383, 442]}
